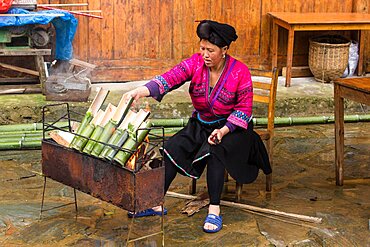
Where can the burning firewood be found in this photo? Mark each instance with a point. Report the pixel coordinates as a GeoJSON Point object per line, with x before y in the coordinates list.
{"type": "Point", "coordinates": [132, 144]}
{"type": "Point", "coordinates": [63, 138]}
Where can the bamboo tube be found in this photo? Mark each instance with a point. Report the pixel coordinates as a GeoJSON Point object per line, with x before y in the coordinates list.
{"type": "Point", "coordinates": [91, 111]}
{"type": "Point", "coordinates": [98, 128]}
{"type": "Point", "coordinates": [11, 134]}
{"type": "Point", "coordinates": [253, 208]}
{"type": "Point", "coordinates": [79, 141]}
{"type": "Point", "coordinates": [29, 127]}
{"type": "Point", "coordinates": [22, 138]}
{"type": "Point", "coordinates": [118, 138]}
{"type": "Point", "coordinates": [20, 145]}
{"type": "Point", "coordinates": [132, 144]}
{"type": "Point", "coordinates": [110, 127]}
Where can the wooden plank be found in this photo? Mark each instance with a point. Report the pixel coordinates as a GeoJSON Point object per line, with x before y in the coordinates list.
{"type": "Point", "coordinates": [260, 98]}
{"type": "Point", "coordinates": [18, 79]}
{"type": "Point", "coordinates": [19, 69]}
{"type": "Point", "coordinates": [95, 38]}
{"type": "Point", "coordinates": [107, 30]}
{"type": "Point", "coordinates": [24, 52]}
{"type": "Point", "coordinates": [298, 71]}
{"type": "Point", "coordinates": [261, 85]}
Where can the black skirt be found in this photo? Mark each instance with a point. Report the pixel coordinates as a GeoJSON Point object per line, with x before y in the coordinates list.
{"type": "Point", "coordinates": [242, 152]}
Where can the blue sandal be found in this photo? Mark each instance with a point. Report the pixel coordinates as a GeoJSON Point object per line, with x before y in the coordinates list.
{"type": "Point", "coordinates": [214, 220]}
{"type": "Point", "coordinates": [147, 212]}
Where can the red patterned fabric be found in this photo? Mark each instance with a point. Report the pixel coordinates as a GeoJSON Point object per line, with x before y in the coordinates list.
{"type": "Point", "coordinates": [232, 99]}
{"type": "Point", "coordinates": [5, 5]}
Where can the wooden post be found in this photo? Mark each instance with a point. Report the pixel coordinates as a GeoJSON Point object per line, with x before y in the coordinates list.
{"type": "Point", "coordinates": [40, 66]}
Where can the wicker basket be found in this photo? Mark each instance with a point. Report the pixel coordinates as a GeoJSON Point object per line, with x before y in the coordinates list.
{"type": "Point", "coordinates": [328, 57]}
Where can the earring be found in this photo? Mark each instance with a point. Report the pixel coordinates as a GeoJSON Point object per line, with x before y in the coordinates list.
{"type": "Point", "coordinates": [223, 56]}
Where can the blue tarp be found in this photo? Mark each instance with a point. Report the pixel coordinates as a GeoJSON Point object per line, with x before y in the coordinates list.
{"type": "Point", "coordinates": [65, 27]}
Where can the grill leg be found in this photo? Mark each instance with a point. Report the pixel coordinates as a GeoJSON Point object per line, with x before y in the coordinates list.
{"type": "Point", "coordinates": [43, 197]}
{"type": "Point", "coordinates": [74, 192]}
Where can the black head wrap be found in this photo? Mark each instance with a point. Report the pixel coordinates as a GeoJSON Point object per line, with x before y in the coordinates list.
{"type": "Point", "coordinates": [217, 33]}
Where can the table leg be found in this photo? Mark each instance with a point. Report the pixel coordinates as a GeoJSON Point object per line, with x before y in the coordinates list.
{"type": "Point", "coordinates": [361, 45]}
{"type": "Point", "coordinates": [39, 61]}
{"type": "Point", "coordinates": [289, 57]}
{"type": "Point", "coordinates": [275, 42]}
{"type": "Point", "coordinates": [339, 134]}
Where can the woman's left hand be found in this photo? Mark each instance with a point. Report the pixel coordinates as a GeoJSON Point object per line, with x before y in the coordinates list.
{"type": "Point", "coordinates": [217, 135]}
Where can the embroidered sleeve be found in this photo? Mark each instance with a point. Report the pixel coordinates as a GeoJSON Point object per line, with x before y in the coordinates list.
{"type": "Point", "coordinates": [173, 78]}
{"type": "Point", "coordinates": [242, 113]}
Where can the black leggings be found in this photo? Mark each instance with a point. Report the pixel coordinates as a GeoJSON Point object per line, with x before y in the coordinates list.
{"type": "Point", "coordinates": [215, 177]}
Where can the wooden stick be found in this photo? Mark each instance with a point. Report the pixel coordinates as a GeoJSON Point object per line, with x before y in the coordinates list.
{"type": "Point", "coordinates": [19, 69]}
{"type": "Point", "coordinates": [74, 12]}
{"type": "Point", "coordinates": [254, 208]}
{"type": "Point", "coordinates": [88, 11]}
{"type": "Point", "coordinates": [62, 4]}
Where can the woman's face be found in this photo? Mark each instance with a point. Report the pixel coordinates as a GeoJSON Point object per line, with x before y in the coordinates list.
{"type": "Point", "coordinates": [212, 54]}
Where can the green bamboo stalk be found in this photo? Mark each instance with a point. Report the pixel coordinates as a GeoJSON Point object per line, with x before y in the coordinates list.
{"type": "Point", "coordinates": [84, 123]}
{"type": "Point", "coordinates": [20, 145]}
{"type": "Point", "coordinates": [122, 110]}
{"type": "Point", "coordinates": [79, 142]}
{"type": "Point", "coordinates": [17, 139]}
{"type": "Point", "coordinates": [132, 144]}
{"type": "Point", "coordinates": [20, 134]}
{"type": "Point", "coordinates": [117, 139]}
{"type": "Point", "coordinates": [28, 127]}
{"type": "Point", "coordinates": [169, 122]}
{"type": "Point", "coordinates": [90, 113]}
{"type": "Point", "coordinates": [94, 136]}
{"type": "Point", "coordinates": [107, 132]}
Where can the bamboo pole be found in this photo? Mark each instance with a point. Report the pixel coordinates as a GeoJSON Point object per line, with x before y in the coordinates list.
{"type": "Point", "coordinates": [180, 122]}
{"type": "Point", "coordinates": [253, 208]}
{"type": "Point", "coordinates": [62, 4]}
{"type": "Point", "coordinates": [29, 127]}
{"type": "Point", "coordinates": [73, 12]}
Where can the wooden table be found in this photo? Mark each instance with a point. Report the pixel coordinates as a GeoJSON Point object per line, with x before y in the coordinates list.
{"type": "Point", "coordinates": [356, 89]}
{"type": "Point", "coordinates": [315, 22]}
{"type": "Point", "coordinates": [38, 55]}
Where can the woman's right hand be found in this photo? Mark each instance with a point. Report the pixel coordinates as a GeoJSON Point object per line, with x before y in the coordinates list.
{"type": "Point", "coordinates": [137, 93]}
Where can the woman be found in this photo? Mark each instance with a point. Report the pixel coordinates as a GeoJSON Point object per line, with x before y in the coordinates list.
{"type": "Point", "coordinates": [220, 133]}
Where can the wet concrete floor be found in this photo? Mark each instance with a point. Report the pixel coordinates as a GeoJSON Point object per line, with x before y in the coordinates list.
{"type": "Point", "coordinates": [303, 183]}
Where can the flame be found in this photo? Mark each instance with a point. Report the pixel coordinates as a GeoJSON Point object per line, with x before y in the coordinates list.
{"type": "Point", "coordinates": [141, 150]}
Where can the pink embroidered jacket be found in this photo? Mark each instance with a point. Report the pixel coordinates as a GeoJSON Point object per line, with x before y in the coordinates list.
{"type": "Point", "coordinates": [231, 98]}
